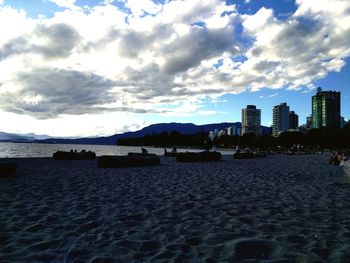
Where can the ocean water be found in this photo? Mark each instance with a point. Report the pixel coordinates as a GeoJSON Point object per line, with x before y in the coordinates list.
{"type": "Point", "coordinates": [17, 150]}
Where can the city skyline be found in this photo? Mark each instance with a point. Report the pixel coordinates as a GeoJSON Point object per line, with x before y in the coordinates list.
{"type": "Point", "coordinates": [95, 68]}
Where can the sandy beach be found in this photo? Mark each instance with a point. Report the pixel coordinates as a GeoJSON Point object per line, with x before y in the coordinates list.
{"type": "Point", "coordinates": [274, 209]}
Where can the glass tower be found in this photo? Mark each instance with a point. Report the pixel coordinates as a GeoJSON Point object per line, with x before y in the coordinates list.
{"type": "Point", "coordinates": [326, 109]}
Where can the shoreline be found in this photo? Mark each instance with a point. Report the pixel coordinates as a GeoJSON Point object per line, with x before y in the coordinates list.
{"type": "Point", "coordinates": [19, 150]}
{"type": "Point", "coordinates": [278, 208]}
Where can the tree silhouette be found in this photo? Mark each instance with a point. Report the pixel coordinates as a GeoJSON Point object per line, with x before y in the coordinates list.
{"type": "Point", "coordinates": [330, 138]}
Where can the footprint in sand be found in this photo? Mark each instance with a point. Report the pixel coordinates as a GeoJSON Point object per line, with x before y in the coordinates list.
{"type": "Point", "coordinates": [257, 250]}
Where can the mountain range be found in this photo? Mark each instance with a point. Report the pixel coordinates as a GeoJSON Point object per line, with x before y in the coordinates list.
{"type": "Point", "coordinates": [14, 137]}
{"type": "Point", "coordinates": [184, 128]}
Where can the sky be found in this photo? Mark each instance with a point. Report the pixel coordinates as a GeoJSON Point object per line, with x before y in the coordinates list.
{"type": "Point", "coordinates": [83, 68]}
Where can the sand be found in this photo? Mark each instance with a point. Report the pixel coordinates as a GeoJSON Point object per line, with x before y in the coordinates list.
{"type": "Point", "coordinates": [273, 209]}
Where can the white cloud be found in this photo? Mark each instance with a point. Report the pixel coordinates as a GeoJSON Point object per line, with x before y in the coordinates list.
{"type": "Point", "coordinates": [259, 21]}
{"type": "Point", "coordinates": [139, 8]}
{"type": "Point", "coordinates": [65, 3]}
{"type": "Point", "coordinates": [298, 51]}
{"type": "Point", "coordinates": [108, 2]}
{"type": "Point", "coordinates": [85, 125]}
{"type": "Point", "coordinates": [17, 24]}
{"type": "Point", "coordinates": [269, 96]}
{"type": "Point", "coordinates": [207, 112]}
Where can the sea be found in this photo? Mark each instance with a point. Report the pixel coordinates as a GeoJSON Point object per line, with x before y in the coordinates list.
{"type": "Point", "coordinates": [28, 150]}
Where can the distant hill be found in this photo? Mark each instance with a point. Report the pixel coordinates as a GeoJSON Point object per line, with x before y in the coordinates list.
{"type": "Point", "coordinates": [11, 137]}
{"type": "Point", "coordinates": [184, 128]}
{"type": "Point", "coordinates": [36, 136]}
{"type": "Point", "coordinates": [15, 137]}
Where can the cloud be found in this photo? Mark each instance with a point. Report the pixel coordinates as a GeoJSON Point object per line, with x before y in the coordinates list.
{"type": "Point", "coordinates": [139, 8]}
{"type": "Point", "coordinates": [70, 92]}
{"type": "Point", "coordinates": [15, 46]}
{"type": "Point", "coordinates": [59, 40]}
{"type": "Point", "coordinates": [53, 41]}
{"type": "Point", "coordinates": [207, 112]}
{"type": "Point", "coordinates": [296, 52]}
{"type": "Point", "coordinates": [140, 60]}
{"type": "Point", "coordinates": [15, 24]}
{"type": "Point", "coordinates": [108, 2]}
{"type": "Point", "coordinates": [64, 3]}
{"type": "Point", "coordinates": [269, 96]}
{"type": "Point", "coordinates": [201, 44]}
{"type": "Point", "coordinates": [85, 125]}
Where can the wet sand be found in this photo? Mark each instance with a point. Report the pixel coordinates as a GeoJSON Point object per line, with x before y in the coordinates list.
{"type": "Point", "coordinates": [273, 209]}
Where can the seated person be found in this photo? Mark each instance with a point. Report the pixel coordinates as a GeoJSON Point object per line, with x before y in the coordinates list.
{"type": "Point", "coordinates": [337, 158]}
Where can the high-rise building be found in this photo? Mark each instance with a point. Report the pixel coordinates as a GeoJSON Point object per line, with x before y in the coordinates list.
{"type": "Point", "coordinates": [251, 120]}
{"type": "Point", "coordinates": [326, 109]}
{"type": "Point", "coordinates": [280, 119]}
{"type": "Point", "coordinates": [293, 120]}
{"type": "Point", "coordinates": [309, 122]}
{"type": "Point", "coordinates": [342, 122]}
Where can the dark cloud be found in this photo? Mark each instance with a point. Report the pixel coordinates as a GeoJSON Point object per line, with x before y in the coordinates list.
{"type": "Point", "coordinates": [132, 42]}
{"type": "Point", "coordinates": [62, 92]}
{"type": "Point", "coordinates": [135, 110]}
{"type": "Point", "coordinates": [257, 51]}
{"type": "Point", "coordinates": [309, 40]}
{"type": "Point", "coordinates": [266, 66]}
{"type": "Point", "coordinates": [150, 83]}
{"type": "Point", "coordinates": [201, 44]}
{"type": "Point", "coordinates": [146, 82]}
{"type": "Point", "coordinates": [62, 38]}
{"type": "Point", "coordinates": [296, 40]}
{"type": "Point", "coordinates": [15, 46]}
